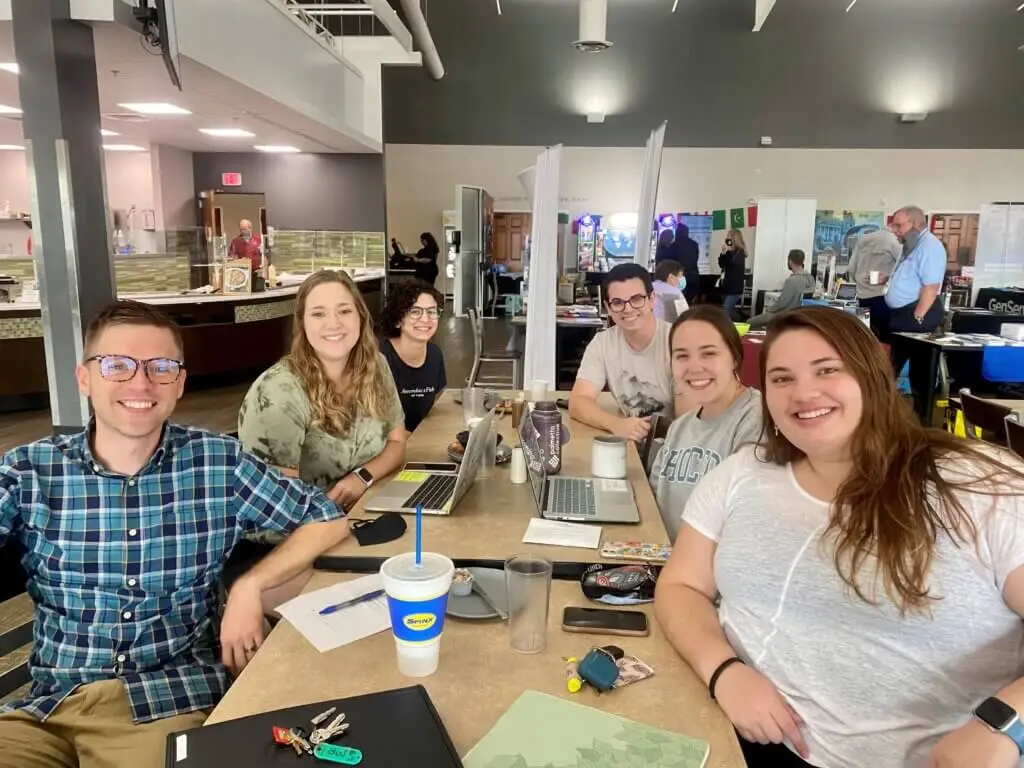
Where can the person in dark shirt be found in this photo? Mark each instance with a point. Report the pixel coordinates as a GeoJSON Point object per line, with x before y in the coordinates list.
{"type": "Point", "coordinates": [426, 259]}
{"type": "Point", "coordinates": [733, 262]}
{"type": "Point", "coordinates": [410, 321]}
{"type": "Point", "coordinates": [664, 247]}
{"type": "Point", "coordinates": [686, 251]}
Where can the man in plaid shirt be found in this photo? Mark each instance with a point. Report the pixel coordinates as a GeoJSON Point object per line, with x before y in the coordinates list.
{"type": "Point", "coordinates": [124, 530]}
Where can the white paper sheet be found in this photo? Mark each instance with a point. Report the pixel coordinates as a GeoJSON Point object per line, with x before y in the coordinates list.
{"type": "Point", "coordinates": [344, 626]}
{"type": "Point", "coordinates": [562, 534]}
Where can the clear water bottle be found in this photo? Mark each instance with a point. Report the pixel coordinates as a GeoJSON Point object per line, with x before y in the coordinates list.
{"type": "Point", "coordinates": [547, 420]}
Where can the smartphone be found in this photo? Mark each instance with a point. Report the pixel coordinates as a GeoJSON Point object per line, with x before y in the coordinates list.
{"type": "Point", "coordinates": [562, 403]}
{"type": "Point", "coordinates": [431, 466]}
{"type": "Point", "coordinates": [603, 621]}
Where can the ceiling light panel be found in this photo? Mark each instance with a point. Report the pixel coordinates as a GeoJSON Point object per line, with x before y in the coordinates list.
{"type": "Point", "coordinates": [123, 148]}
{"type": "Point", "coordinates": [154, 108]}
{"type": "Point", "coordinates": [11, 147]}
{"type": "Point", "coordinates": [5, 110]}
{"type": "Point", "coordinates": [277, 148]}
{"type": "Point", "coordinates": [9, 66]}
{"type": "Point", "coordinates": [227, 133]}
{"type": "Point", "coordinates": [105, 132]}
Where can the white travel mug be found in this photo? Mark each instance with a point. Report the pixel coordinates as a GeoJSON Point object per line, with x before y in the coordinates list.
{"type": "Point", "coordinates": [874, 277]}
{"type": "Point", "coordinates": [517, 472]}
{"type": "Point", "coordinates": [608, 457]}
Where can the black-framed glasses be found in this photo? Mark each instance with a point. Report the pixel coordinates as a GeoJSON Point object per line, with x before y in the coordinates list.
{"type": "Point", "coordinates": [121, 368]}
{"type": "Point", "coordinates": [417, 312]}
{"type": "Point", "coordinates": [636, 301]}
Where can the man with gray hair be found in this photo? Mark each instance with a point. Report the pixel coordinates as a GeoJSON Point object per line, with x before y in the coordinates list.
{"type": "Point", "coordinates": [913, 290]}
{"type": "Point", "coordinates": [871, 265]}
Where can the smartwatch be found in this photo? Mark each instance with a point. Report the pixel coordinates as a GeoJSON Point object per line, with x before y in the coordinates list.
{"type": "Point", "coordinates": [365, 475]}
{"type": "Point", "coordinates": [1001, 717]}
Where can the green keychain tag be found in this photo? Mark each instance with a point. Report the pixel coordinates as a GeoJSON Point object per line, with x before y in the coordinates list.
{"type": "Point", "coordinates": [335, 754]}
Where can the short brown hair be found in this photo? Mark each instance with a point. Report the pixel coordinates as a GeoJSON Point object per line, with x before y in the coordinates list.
{"type": "Point", "coordinates": [131, 313]}
{"type": "Point", "coordinates": [714, 316]}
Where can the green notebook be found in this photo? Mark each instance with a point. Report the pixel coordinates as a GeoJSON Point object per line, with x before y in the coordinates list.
{"type": "Point", "coordinates": [541, 731]}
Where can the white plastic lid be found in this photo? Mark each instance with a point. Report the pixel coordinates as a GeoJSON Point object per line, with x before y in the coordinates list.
{"type": "Point", "coordinates": [404, 568]}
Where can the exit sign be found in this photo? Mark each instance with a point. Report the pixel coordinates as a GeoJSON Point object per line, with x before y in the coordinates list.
{"type": "Point", "coordinates": [231, 179]}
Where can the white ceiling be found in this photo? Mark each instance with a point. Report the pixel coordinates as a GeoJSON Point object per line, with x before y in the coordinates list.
{"type": "Point", "coordinates": [127, 72]}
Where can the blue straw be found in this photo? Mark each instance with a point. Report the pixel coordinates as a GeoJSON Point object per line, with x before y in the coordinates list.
{"type": "Point", "coordinates": [419, 535]}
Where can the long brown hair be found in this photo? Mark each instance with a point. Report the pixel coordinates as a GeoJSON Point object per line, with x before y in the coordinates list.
{"type": "Point", "coordinates": [365, 391]}
{"type": "Point", "coordinates": [738, 243]}
{"type": "Point", "coordinates": [890, 512]}
{"type": "Point", "coordinates": [714, 316]}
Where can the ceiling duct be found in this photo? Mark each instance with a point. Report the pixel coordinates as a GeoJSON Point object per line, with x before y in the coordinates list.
{"type": "Point", "coordinates": [593, 25]}
{"type": "Point", "coordinates": [421, 36]}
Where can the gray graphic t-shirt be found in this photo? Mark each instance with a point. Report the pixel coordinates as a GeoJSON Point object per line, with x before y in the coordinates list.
{"type": "Point", "coordinates": [694, 446]}
{"type": "Point", "coordinates": [640, 380]}
{"type": "Point", "coordinates": [276, 424]}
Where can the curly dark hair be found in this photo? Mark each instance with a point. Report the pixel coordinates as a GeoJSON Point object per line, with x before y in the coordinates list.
{"type": "Point", "coordinates": [401, 298]}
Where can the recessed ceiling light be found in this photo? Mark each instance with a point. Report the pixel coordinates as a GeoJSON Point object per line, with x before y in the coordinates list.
{"type": "Point", "coordinates": [1020, 8]}
{"type": "Point", "coordinates": [5, 110]}
{"type": "Point", "coordinates": [155, 108]}
{"type": "Point", "coordinates": [675, 5]}
{"type": "Point", "coordinates": [105, 132]}
{"type": "Point", "coordinates": [227, 133]}
{"type": "Point", "coordinates": [275, 148]}
{"type": "Point", "coordinates": [9, 66]}
{"type": "Point", "coordinates": [11, 147]}
{"type": "Point", "coordinates": [123, 148]}
{"type": "Point", "coordinates": [850, 6]}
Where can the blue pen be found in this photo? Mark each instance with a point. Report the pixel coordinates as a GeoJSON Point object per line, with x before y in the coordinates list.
{"type": "Point", "coordinates": [354, 601]}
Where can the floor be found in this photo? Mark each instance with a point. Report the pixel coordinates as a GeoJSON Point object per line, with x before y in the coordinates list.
{"type": "Point", "coordinates": [217, 409]}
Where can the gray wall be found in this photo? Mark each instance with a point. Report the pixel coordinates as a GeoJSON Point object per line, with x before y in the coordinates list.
{"type": "Point", "coordinates": [305, 191]}
{"type": "Point", "coordinates": [815, 76]}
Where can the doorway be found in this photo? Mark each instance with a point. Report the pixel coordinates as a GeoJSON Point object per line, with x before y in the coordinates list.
{"type": "Point", "coordinates": [959, 233]}
{"type": "Point", "coordinates": [511, 232]}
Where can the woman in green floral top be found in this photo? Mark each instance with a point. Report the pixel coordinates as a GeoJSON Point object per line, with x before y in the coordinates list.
{"type": "Point", "coordinates": [328, 412]}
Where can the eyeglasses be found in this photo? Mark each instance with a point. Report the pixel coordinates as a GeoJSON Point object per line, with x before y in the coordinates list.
{"type": "Point", "coordinates": [121, 368]}
{"type": "Point", "coordinates": [636, 301]}
{"type": "Point", "coordinates": [417, 312]}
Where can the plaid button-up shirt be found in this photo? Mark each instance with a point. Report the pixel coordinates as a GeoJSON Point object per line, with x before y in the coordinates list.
{"type": "Point", "coordinates": [124, 571]}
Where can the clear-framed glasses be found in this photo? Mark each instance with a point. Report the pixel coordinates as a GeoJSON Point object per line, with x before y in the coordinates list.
{"type": "Point", "coordinates": [636, 301]}
{"type": "Point", "coordinates": [417, 312]}
{"type": "Point", "coordinates": [121, 368]}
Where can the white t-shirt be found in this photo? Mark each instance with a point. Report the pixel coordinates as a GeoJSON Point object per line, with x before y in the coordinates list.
{"type": "Point", "coordinates": [640, 380]}
{"type": "Point", "coordinates": [874, 688]}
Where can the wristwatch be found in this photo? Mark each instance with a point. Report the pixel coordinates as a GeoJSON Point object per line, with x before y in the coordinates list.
{"type": "Point", "coordinates": [920, 320]}
{"type": "Point", "coordinates": [365, 475]}
{"type": "Point", "coordinates": [1001, 717]}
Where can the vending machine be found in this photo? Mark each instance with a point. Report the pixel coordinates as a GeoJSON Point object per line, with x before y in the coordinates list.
{"type": "Point", "coordinates": [449, 259]}
{"type": "Point", "coordinates": [587, 227]}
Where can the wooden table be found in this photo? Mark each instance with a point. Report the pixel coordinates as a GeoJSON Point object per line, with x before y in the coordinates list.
{"type": "Point", "coordinates": [488, 524]}
{"type": "Point", "coordinates": [480, 677]}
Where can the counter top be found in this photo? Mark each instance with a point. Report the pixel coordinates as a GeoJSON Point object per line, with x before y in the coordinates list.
{"type": "Point", "coordinates": [358, 275]}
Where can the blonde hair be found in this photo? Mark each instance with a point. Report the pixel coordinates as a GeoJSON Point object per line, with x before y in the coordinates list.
{"type": "Point", "coordinates": [738, 243]}
{"type": "Point", "coordinates": [365, 391]}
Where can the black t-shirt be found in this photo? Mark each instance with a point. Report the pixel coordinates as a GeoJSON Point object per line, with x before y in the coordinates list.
{"type": "Point", "coordinates": [417, 387]}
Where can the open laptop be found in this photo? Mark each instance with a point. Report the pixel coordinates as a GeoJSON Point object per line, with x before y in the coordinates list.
{"type": "Point", "coordinates": [574, 499]}
{"type": "Point", "coordinates": [438, 490]}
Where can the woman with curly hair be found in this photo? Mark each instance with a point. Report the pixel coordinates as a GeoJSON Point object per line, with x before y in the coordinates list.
{"type": "Point", "coordinates": [410, 321]}
{"type": "Point", "coordinates": [328, 412]}
{"type": "Point", "coordinates": [852, 591]}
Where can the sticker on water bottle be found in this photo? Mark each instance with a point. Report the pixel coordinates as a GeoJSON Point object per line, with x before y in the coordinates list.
{"type": "Point", "coordinates": [418, 621]}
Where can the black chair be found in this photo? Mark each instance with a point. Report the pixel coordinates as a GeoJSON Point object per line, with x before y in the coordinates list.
{"type": "Point", "coordinates": [16, 604]}
{"type": "Point", "coordinates": [985, 415]}
{"type": "Point", "coordinates": [655, 439]}
{"type": "Point", "coordinates": [1015, 433]}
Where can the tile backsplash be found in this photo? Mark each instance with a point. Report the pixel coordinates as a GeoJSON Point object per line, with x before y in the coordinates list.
{"type": "Point", "coordinates": [134, 274]}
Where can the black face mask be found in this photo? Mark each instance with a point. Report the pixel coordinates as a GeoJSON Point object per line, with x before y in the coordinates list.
{"type": "Point", "coordinates": [387, 527]}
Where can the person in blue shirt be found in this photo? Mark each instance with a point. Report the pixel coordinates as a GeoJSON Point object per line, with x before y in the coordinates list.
{"type": "Point", "coordinates": [124, 529]}
{"type": "Point", "coordinates": [912, 292]}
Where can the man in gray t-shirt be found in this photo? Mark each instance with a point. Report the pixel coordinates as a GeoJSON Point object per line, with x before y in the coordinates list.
{"type": "Point", "coordinates": [694, 446]}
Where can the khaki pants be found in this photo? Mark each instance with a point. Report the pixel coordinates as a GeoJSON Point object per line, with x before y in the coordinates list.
{"type": "Point", "coordinates": [92, 728]}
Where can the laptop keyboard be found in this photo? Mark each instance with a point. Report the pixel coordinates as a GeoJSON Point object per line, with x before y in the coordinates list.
{"type": "Point", "coordinates": [572, 497]}
{"type": "Point", "coordinates": [434, 493]}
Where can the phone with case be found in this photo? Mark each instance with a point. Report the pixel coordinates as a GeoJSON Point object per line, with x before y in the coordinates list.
{"type": "Point", "coordinates": [637, 551]}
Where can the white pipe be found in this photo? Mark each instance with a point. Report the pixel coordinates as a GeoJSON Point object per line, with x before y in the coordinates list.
{"type": "Point", "coordinates": [424, 42]}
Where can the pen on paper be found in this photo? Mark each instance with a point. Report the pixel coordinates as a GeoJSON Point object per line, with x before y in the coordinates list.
{"type": "Point", "coordinates": [354, 601]}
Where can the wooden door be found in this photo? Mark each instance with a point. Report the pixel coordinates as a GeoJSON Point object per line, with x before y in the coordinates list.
{"type": "Point", "coordinates": [510, 233]}
{"type": "Point", "coordinates": [959, 233]}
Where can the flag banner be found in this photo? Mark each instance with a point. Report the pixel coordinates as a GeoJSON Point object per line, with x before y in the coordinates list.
{"type": "Point", "coordinates": [752, 216]}
{"type": "Point", "coordinates": [736, 219]}
{"type": "Point", "coordinates": [718, 220]}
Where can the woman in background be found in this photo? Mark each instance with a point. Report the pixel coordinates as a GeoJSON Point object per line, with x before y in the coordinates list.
{"type": "Point", "coordinates": [664, 247]}
{"type": "Point", "coordinates": [328, 412]}
{"type": "Point", "coordinates": [733, 263]}
{"type": "Point", "coordinates": [868, 571]}
{"type": "Point", "coordinates": [426, 259]}
{"type": "Point", "coordinates": [410, 321]}
{"type": "Point", "coordinates": [706, 357]}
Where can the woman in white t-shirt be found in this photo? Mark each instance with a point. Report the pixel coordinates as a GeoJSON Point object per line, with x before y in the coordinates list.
{"type": "Point", "coordinates": [869, 572]}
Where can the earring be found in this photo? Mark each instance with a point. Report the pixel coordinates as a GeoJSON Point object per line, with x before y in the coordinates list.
{"type": "Point", "coordinates": [776, 430]}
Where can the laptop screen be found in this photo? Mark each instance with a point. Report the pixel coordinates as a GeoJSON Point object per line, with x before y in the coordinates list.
{"type": "Point", "coordinates": [529, 439]}
{"type": "Point", "coordinates": [847, 291]}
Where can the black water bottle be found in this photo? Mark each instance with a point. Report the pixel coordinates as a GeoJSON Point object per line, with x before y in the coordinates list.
{"type": "Point", "coordinates": [547, 420]}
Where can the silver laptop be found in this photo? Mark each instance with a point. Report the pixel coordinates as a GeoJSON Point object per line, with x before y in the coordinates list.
{"type": "Point", "coordinates": [437, 491]}
{"type": "Point", "coordinates": [574, 499]}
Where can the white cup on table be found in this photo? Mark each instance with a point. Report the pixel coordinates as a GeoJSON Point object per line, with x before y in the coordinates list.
{"type": "Point", "coordinates": [538, 390]}
{"type": "Point", "coordinates": [608, 457]}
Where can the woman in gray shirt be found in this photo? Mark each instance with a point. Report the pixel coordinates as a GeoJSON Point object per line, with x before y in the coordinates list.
{"type": "Point", "coordinates": [706, 354]}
